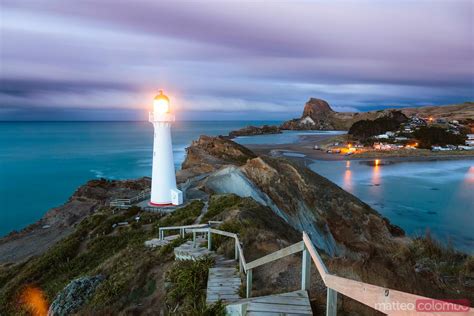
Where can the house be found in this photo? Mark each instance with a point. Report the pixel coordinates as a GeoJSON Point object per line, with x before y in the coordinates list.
{"type": "Point", "coordinates": [470, 140]}
{"type": "Point", "coordinates": [401, 139]}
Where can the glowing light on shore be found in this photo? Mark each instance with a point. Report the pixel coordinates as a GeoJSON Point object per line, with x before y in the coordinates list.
{"type": "Point", "coordinates": [348, 164]}
{"type": "Point", "coordinates": [33, 300]}
{"type": "Point", "coordinates": [377, 162]}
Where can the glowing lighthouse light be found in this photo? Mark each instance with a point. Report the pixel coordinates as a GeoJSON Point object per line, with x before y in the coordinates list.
{"type": "Point", "coordinates": [163, 180]}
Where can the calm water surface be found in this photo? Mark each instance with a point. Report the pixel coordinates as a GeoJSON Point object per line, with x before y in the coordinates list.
{"type": "Point", "coordinates": [435, 195]}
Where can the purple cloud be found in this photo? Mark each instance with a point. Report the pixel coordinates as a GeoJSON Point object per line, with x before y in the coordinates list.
{"type": "Point", "coordinates": [234, 56]}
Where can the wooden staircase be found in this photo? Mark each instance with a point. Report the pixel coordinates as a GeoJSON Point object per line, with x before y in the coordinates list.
{"type": "Point", "coordinates": [224, 279]}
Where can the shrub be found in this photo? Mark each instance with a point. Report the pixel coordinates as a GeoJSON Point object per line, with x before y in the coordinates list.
{"type": "Point", "coordinates": [431, 136]}
{"type": "Point", "coordinates": [188, 286]}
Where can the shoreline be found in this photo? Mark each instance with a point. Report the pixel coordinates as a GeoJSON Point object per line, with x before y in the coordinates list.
{"type": "Point", "coordinates": [307, 143]}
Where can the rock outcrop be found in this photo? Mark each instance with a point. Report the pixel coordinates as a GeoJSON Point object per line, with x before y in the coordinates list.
{"type": "Point", "coordinates": [74, 295]}
{"type": "Point", "coordinates": [254, 130]}
{"type": "Point", "coordinates": [207, 154]}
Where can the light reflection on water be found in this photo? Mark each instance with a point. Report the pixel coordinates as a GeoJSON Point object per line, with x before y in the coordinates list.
{"type": "Point", "coordinates": [417, 196]}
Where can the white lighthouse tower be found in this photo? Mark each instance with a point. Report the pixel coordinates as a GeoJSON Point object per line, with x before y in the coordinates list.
{"type": "Point", "coordinates": [163, 180]}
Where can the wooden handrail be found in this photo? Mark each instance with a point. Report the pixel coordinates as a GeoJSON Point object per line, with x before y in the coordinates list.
{"type": "Point", "coordinates": [223, 233]}
{"type": "Point", "coordinates": [295, 248]}
{"type": "Point", "coordinates": [376, 297]}
{"type": "Point", "coordinates": [323, 271]}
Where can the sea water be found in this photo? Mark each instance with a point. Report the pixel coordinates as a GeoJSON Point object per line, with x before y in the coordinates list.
{"type": "Point", "coordinates": [434, 196]}
{"type": "Point", "coordinates": [43, 163]}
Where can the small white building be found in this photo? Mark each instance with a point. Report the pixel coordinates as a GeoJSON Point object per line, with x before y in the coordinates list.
{"type": "Point", "coordinates": [470, 140]}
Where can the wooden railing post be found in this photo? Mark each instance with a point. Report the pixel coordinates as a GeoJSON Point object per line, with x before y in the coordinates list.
{"type": "Point", "coordinates": [162, 235]}
{"type": "Point", "coordinates": [331, 303]}
{"type": "Point", "coordinates": [305, 270]}
{"type": "Point", "coordinates": [209, 239]}
{"type": "Point", "coordinates": [182, 232]}
{"type": "Point", "coordinates": [236, 249]}
{"type": "Point", "coordinates": [194, 239]}
{"type": "Point", "coordinates": [248, 289]}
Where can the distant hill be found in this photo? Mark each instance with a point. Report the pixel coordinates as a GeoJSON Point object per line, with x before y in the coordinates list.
{"type": "Point", "coordinates": [318, 115]}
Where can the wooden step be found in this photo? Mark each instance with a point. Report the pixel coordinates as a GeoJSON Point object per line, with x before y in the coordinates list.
{"type": "Point", "coordinates": [291, 303]}
{"type": "Point", "coordinates": [223, 284]}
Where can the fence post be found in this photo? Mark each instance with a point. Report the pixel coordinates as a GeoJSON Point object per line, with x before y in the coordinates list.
{"type": "Point", "coordinates": [236, 249]}
{"type": "Point", "coordinates": [248, 289]}
{"type": "Point", "coordinates": [305, 270]}
{"type": "Point", "coordinates": [194, 239]}
{"type": "Point", "coordinates": [161, 234]}
{"type": "Point", "coordinates": [209, 239]}
{"type": "Point", "coordinates": [331, 303]}
{"type": "Point", "coordinates": [182, 232]}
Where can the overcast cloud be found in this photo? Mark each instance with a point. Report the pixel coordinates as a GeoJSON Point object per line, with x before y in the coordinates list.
{"type": "Point", "coordinates": [106, 59]}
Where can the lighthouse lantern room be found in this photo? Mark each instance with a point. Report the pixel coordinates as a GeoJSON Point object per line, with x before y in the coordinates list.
{"type": "Point", "coordinates": [163, 181]}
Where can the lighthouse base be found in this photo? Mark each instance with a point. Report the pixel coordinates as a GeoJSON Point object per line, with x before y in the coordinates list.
{"type": "Point", "coordinates": [174, 199]}
{"type": "Point", "coordinates": [159, 205]}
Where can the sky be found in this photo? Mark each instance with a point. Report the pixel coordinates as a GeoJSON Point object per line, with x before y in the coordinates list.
{"type": "Point", "coordinates": [229, 59]}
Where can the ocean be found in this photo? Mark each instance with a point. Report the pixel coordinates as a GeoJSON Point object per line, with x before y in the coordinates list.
{"type": "Point", "coordinates": [42, 163]}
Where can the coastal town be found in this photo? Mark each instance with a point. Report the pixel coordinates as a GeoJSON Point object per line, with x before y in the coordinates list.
{"type": "Point", "coordinates": [407, 137]}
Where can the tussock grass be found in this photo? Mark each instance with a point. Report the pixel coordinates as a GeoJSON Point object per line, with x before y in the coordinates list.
{"type": "Point", "coordinates": [187, 292]}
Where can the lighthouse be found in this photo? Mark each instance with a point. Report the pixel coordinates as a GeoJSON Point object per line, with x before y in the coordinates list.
{"type": "Point", "coordinates": [163, 179]}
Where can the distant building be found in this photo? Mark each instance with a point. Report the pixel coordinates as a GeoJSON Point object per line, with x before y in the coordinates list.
{"type": "Point", "coordinates": [401, 139]}
{"type": "Point", "coordinates": [470, 140]}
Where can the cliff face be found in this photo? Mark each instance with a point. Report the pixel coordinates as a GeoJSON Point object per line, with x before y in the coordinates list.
{"type": "Point", "coordinates": [318, 115]}
{"type": "Point", "coordinates": [338, 223]}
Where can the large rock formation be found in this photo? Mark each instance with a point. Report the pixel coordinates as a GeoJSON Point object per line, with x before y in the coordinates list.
{"type": "Point", "coordinates": [207, 154]}
{"type": "Point", "coordinates": [254, 130]}
{"type": "Point", "coordinates": [338, 222]}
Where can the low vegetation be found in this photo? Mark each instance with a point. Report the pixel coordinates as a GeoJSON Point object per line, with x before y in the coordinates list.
{"type": "Point", "coordinates": [183, 216]}
{"type": "Point", "coordinates": [186, 294]}
{"type": "Point", "coordinates": [100, 246]}
{"type": "Point", "coordinates": [365, 129]}
{"type": "Point", "coordinates": [220, 203]}
{"type": "Point", "coordinates": [431, 136]}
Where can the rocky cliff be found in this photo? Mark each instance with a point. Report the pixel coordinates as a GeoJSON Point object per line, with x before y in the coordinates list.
{"type": "Point", "coordinates": [338, 222]}
{"type": "Point", "coordinates": [318, 115]}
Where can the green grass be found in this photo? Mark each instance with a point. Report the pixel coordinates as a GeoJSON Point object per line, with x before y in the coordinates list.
{"type": "Point", "coordinates": [443, 260]}
{"type": "Point", "coordinates": [183, 216]}
{"type": "Point", "coordinates": [220, 203]}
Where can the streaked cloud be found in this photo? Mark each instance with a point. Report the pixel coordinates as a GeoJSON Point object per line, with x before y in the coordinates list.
{"type": "Point", "coordinates": [244, 57]}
